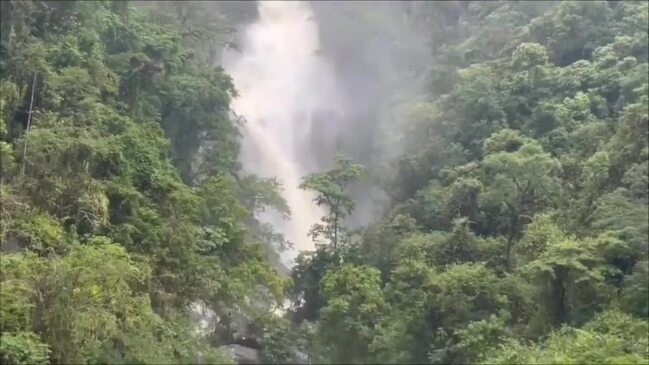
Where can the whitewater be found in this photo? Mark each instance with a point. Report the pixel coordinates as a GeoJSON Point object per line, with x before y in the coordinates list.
{"type": "Point", "coordinates": [284, 83]}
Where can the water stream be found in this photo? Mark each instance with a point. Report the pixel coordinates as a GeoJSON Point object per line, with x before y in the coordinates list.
{"type": "Point", "coordinates": [285, 87]}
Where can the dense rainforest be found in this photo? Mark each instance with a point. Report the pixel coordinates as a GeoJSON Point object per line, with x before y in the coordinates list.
{"type": "Point", "coordinates": [516, 229]}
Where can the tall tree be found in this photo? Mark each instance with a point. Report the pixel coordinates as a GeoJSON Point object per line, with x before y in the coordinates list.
{"type": "Point", "coordinates": [329, 188]}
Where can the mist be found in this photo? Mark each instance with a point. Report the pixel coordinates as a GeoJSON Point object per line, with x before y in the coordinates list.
{"type": "Point", "coordinates": [316, 79]}
{"type": "Point", "coordinates": [284, 87]}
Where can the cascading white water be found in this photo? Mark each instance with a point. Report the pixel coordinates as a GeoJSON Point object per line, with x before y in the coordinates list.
{"type": "Point", "coordinates": [283, 84]}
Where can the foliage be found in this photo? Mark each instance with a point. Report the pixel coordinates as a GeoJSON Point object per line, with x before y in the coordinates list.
{"type": "Point", "coordinates": [517, 226]}
{"type": "Point", "coordinates": [120, 204]}
{"type": "Point", "coordinates": [354, 300]}
{"type": "Point", "coordinates": [23, 348]}
{"type": "Point", "coordinates": [516, 231]}
{"type": "Point", "coordinates": [330, 191]}
{"type": "Point", "coordinates": [612, 338]}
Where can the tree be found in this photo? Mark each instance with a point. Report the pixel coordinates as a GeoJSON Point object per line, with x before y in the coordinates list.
{"type": "Point", "coordinates": [108, 201]}
{"type": "Point", "coordinates": [354, 306]}
{"type": "Point", "coordinates": [515, 157]}
{"type": "Point", "coordinates": [521, 180]}
{"type": "Point", "coordinates": [330, 188]}
{"type": "Point", "coordinates": [612, 337]}
{"type": "Point", "coordinates": [572, 275]}
{"type": "Point", "coordinates": [305, 293]}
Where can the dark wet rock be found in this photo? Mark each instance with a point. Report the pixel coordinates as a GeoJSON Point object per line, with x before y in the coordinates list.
{"type": "Point", "coordinates": [242, 354]}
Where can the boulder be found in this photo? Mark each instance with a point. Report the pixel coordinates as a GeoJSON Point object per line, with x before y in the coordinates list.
{"type": "Point", "coordinates": [242, 354]}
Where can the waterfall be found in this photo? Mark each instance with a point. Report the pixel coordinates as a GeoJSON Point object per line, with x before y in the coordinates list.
{"type": "Point", "coordinates": [285, 88]}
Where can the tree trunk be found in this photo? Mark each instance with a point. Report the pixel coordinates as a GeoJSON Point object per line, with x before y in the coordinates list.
{"type": "Point", "coordinates": [559, 306]}
{"type": "Point", "coordinates": [513, 226]}
{"type": "Point", "coordinates": [335, 240]}
{"type": "Point", "coordinates": [29, 123]}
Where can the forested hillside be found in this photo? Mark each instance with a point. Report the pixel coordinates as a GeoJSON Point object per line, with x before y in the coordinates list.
{"type": "Point", "coordinates": [517, 228]}
{"type": "Point", "coordinates": [518, 231]}
{"type": "Point", "coordinates": [122, 203]}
